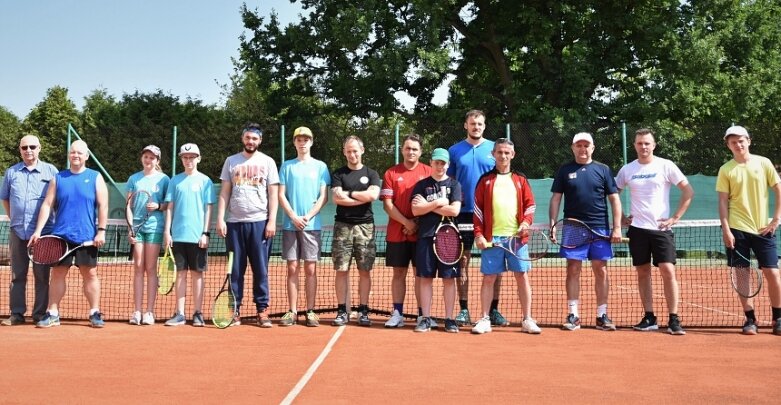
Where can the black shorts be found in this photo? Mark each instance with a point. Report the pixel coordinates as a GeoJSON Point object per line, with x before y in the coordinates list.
{"type": "Point", "coordinates": [85, 256]}
{"type": "Point", "coordinates": [400, 254]}
{"type": "Point", "coordinates": [467, 229]}
{"type": "Point", "coordinates": [764, 247]}
{"type": "Point", "coordinates": [646, 242]}
{"type": "Point", "coordinates": [428, 264]}
{"type": "Point", "coordinates": [188, 256]}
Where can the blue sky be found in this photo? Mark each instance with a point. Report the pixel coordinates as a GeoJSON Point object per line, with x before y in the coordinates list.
{"type": "Point", "coordinates": [183, 47]}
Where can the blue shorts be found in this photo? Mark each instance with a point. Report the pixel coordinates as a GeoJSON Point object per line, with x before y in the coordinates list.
{"type": "Point", "coordinates": [596, 250]}
{"type": "Point", "coordinates": [764, 247]}
{"type": "Point", "coordinates": [428, 266]}
{"type": "Point", "coordinates": [149, 237]}
{"type": "Point", "coordinates": [495, 260]}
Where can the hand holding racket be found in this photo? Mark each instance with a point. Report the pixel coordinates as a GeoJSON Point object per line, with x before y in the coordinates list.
{"type": "Point", "coordinates": [572, 233]}
{"type": "Point", "coordinates": [50, 249]}
{"type": "Point", "coordinates": [448, 246]}
{"type": "Point", "coordinates": [224, 308]}
{"type": "Point", "coordinates": [536, 242]}
{"type": "Point", "coordinates": [166, 273]}
{"type": "Point", "coordinates": [745, 277]}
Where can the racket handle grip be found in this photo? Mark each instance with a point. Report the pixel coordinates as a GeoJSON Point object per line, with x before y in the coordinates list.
{"type": "Point", "coordinates": [624, 240]}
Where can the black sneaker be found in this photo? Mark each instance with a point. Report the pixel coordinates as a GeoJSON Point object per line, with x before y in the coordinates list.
{"type": "Point", "coordinates": [451, 326]}
{"type": "Point", "coordinates": [647, 324]}
{"type": "Point", "coordinates": [674, 327]}
{"type": "Point", "coordinates": [604, 323]}
{"type": "Point", "coordinates": [777, 327]}
{"type": "Point", "coordinates": [363, 319]}
{"type": "Point", "coordinates": [341, 319]}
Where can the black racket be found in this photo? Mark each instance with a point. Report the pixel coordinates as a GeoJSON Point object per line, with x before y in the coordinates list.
{"type": "Point", "coordinates": [573, 233]}
{"type": "Point", "coordinates": [448, 246]}
{"type": "Point", "coordinates": [51, 249]}
{"type": "Point", "coordinates": [224, 308]}
{"type": "Point", "coordinates": [745, 277]}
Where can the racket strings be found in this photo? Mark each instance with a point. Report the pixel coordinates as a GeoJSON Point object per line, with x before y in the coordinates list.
{"type": "Point", "coordinates": [49, 250]}
{"type": "Point", "coordinates": [573, 234]}
{"type": "Point", "coordinates": [746, 280]}
{"type": "Point", "coordinates": [224, 308]}
{"type": "Point", "coordinates": [447, 245]}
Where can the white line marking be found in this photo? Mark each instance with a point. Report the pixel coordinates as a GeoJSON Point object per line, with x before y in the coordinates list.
{"type": "Point", "coordinates": [311, 371]}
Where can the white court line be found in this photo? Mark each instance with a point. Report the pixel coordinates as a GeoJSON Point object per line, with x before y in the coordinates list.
{"type": "Point", "coordinates": [311, 371]}
{"type": "Point", "coordinates": [691, 304]}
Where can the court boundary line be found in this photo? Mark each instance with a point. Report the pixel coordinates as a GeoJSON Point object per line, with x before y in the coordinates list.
{"type": "Point", "coordinates": [312, 368]}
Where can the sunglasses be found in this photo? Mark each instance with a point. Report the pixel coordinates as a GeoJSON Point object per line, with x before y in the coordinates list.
{"type": "Point", "coordinates": [29, 147]}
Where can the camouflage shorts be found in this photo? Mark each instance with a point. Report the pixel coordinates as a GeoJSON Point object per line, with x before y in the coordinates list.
{"type": "Point", "coordinates": [353, 241]}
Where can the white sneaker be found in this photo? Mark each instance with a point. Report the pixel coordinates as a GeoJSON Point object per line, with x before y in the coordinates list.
{"type": "Point", "coordinates": [149, 319]}
{"type": "Point", "coordinates": [136, 318]}
{"type": "Point", "coordinates": [395, 321]}
{"type": "Point", "coordinates": [530, 326]}
{"type": "Point", "coordinates": [432, 323]}
{"type": "Point", "coordinates": [482, 326]}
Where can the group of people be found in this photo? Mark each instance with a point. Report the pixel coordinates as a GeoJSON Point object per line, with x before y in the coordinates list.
{"type": "Point", "coordinates": [472, 183]}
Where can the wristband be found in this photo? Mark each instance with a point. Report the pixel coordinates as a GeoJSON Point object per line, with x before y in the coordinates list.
{"type": "Point", "coordinates": [208, 235]}
{"type": "Point", "coordinates": [101, 229]}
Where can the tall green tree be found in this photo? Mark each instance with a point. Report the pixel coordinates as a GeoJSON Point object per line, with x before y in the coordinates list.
{"type": "Point", "coordinates": [9, 138]}
{"type": "Point", "coordinates": [49, 120]}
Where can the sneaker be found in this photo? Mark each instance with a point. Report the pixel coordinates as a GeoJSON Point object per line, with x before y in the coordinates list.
{"type": "Point", "coordinates": [750, 327]}
{"type": "Point", "coordinates": [289, 319]}
{"type": "Point", "coordinates": [529, 325]}
{"type": "Point", "coordinates": [236, 320]}
{"type": "Point", "coordinates": [13, 320]}
{"type": "Point", "coordinates": [341, 319]}
{"type": "Point", "coordinates": [48, 321]}
{"type": "Point", "coordinates": [463, 319]}
{"type": "Point", "coordinates": [571, 323]}
{"type": "Point", "coordinates": [176, 320]}
{"type": "Point", "coordinates": [148, 319]}
{"type": "Point", "coordinates": [395, 321]}
{"type": "Point", "coordinates": [363, 319]}
{"type": "Point", "coordinates": [198, 319]}
{"type": "Point", "coordinates": [451, 326]}
{"type": "Point", "coordinates": [424, 325]}
{"type": "Point", "coordinates": [497, 319]}
{"type": "Point", "coordinates": [312, 319]}
{"type": "Point", "coordinates": [674, 327]}
{"type": "Point", "coordinates": [433, 323]}
{"type": "Point", "coordinates": [646, 324]}
{"type": "Point", "coordinates": [96, 320]}
{"type": "Point", "coordinates": [263, 320]}
{"type": "Point", "coordinates": [482, 326]}
{"type": "Point", "coordinates": [777, 327]}
{"type": "Point", "coordinates": [604, 323]}
{"type": "Point", "coordinates": [136, 318]}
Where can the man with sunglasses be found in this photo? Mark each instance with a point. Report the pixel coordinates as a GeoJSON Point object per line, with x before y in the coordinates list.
{"type": "Point", "coordinates": [24, 186]}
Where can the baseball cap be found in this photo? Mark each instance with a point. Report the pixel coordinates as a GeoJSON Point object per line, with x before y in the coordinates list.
{"type": "Point", "coordinates": [303, 131]}
{"type": "Point", "coordinates": [583, 136]}
{"type": "Point", "coordinates": [152, 148]}
{"type": "Point", "coordinates": [440, 154]}
{"type": "Point", "coordinates": [189, 148]}
{"type": "Point", "coordinates": [736, 130]}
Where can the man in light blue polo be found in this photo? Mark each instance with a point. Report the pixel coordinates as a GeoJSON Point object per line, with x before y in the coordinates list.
{"type": "Point", "coordinates": [24, 187]}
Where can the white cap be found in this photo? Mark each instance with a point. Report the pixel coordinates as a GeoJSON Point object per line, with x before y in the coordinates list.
{"type": "Point", "coordinates": [189, 148]}
{"type": "Point", "coordinates": [736, 130]}
{"type": "Point", "coordinates": [582, 136]}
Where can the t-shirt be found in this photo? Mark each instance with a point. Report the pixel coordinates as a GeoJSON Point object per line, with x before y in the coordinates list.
{"type": "Point", "coordinates": [250, 178]}
{"type": "Point", "coordinates": [302, 180]}
{"type": "Point", "coordinates": [585, 189]}
{"type": "Point", "coordinates": [649, 189]}
{"type": "Point", "coordinates": [467, 164]}
{"type": "Point", "coordinates": [355, 180]}
{"type": "Point", "coordinates": [747, 186]}
{"type": "Point", "coordinates": [190, 195]}
{"type": "Point", "coordinates": [504, 204]}
{"type": "Point", "coordinates": [397, 186]}
{"type": "Point", "coordinates": [156, 185]}
{"type": "Point", "coordinates": [25, 188]}
{"type": "Point", "coordinates": [431, 189]}
{"type": "Point", "coordinates": [75, 205]}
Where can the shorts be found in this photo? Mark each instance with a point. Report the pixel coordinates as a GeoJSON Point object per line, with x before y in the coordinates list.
{"type": "Point", "coordinates": [764, 247]}
{"type": "Point", "coordinates": [428, 264]}
{"type": "Point", "coordinates": [85, 256]}
{"type": "Point", "coordinates": [301, 245]}
{"type": "Point", "coordinates": [496, 260]}
{"type": "Point", "coordinates": [596, 250]}
{"type": "Point", "coordinates": [400, 254]}
{"type": "Point", "coordinates": [643, 243]}
{"type": "Point", "coordinates": [353, 240]}
{"type": "Point", "coordinates": [467, 229]}
{"type": "Point", "coordinates": [149, 237]}
{"type": "Point", "coordinates": [188, 256]}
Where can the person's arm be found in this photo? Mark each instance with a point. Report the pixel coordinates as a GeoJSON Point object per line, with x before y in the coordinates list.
{"type": "Point", "coordinates": [615, 205]}
{"type": "Point", "coordinates": [726, 233]}
{"type": "Point", "coordinates": [203, 242]}
{"type": "Point", "coordinates": [7, 207]}
{"type": "Point", "coordinates": [553, 208]}
{"type": "Point", "coordinates": [222, 203]}
{"type": "Point", "coordinates": [422, 207]}
{"type": "Point", "coordinates": [450, 210]}
{"type": "Point", "coordinates": [773, 224]}
{"type": "Point", "coordinates": [322, 199]}
{"type": "Point", "coordinates": [298, 222]}
{"type": "Point", "coordinates": [687, 193]}
{"type": "Point", "coordinates": [273, 206]}
{"type": "Point", "coordinates": [408, 224]}
{"type": "Point", "coordinates": [101, 198]}
{"type": "Point", "coordinates": [366, 196]}
{"type": "Point", "coordinates": [45, 211]}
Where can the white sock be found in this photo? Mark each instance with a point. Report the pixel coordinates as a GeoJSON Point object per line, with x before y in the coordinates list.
{"type": "Point", "coordinates": [93, 310]}
{"type": "Point", "coordinates": [54, 312]}
{"type": "Point", "coordinates": [573, 307]}
{"type": "Point", "coordinates": [601, 310]}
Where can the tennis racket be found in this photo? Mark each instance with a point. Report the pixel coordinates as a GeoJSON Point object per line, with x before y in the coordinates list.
{"type": "Point", "coordinates": [136, 211]}
{"type": "Point", "coordinates": [536, 241]}
{"type": "Point", "coordinates": [448, 246]}
{"type": "Point", "coordinates": [573, 233]}
{"type": "Point", "coordinates": [746, 279]}
{"type": "Point", "coordinates": [166, 273]}
{"type": "Point", "coordinates": [224, 308]}
{"type": "Point", "coordinates": [50, 249]}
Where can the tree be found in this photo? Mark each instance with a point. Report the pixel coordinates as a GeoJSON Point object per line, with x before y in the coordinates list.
{"type": "Point", "coordinates": [9, 138]}
{"type": "Point", "coordinates": [49, 120]}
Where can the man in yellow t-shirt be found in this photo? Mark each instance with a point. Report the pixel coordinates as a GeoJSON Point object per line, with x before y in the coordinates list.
{"type": "Point", "coordinates": [742, 185]}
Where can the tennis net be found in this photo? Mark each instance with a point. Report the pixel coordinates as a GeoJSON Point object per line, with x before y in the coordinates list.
{"type": "Point", "coordinates": [706, 298]}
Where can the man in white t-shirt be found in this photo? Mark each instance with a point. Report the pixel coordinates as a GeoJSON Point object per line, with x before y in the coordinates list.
{"type": "Point", "coordinates": [649, 179]}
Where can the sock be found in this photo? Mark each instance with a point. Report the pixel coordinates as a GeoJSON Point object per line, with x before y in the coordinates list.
{"type": "Point", "coordinates": [776, 313]}
{"type": "Point", "coordinates": [92, 311]}
{"type": "Point", "coordinates": [494, 305]}
{"type": "Point", "coordinates": [673, 316]}
{"type": "Point", "coordinates": [601, 310]}
{"type": "Point", "coordinates": [463, 305]}
{"type": "Point", "coordinates": [363, 308]}
{"type": "Point", "coordinates": [54, 312]}
{"type": "Point", "coordinates": [341, 308]}
{"type": "Point", "coordinates": [420, 311]}
{"type": "Point", "coordinates": [399, 307]}
{"type": "Point", "coordinates": [650, 315]}
{"type": "Point", "coordinates": [573, 307]}
{"type": "Point", "coordinates": [750, 315]}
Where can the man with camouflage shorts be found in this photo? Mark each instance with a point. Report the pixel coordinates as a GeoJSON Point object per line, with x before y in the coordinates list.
{"type": "Point", "coordinates": [354, 187]}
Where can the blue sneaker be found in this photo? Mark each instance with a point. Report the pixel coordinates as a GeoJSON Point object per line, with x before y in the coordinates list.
{"type": "Point", "coordinates": [176, 320]}
{"type": "Point", "coordinates": [96, 320]}
{"type": "Point", "coordinates": [48, 321]}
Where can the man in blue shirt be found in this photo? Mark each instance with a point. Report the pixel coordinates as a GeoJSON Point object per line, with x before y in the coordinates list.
{"type": "Point", "coordinates": [24, 187]}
